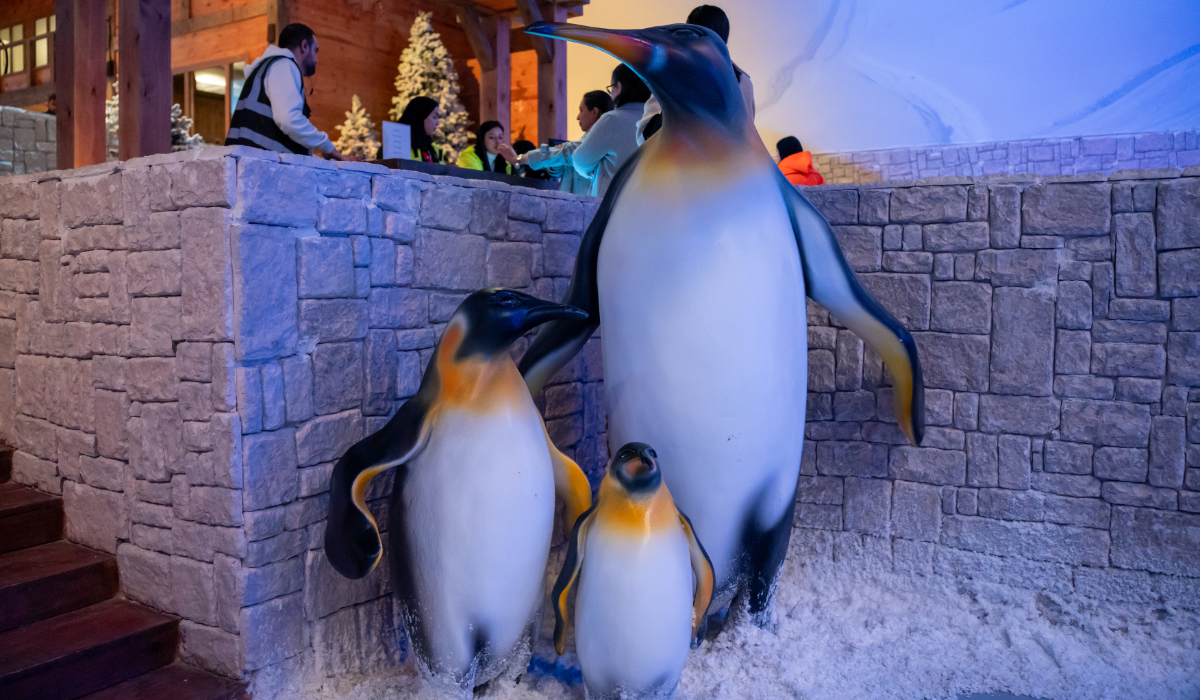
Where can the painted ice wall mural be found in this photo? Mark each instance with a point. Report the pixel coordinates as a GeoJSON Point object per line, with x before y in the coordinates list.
{"type": "Point", "coordinates": [852, 75]}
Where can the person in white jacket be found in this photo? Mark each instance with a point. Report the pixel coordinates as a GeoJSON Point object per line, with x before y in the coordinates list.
{"type": "Point", "coordinates": [710, 17]}
{"type": "Point", "coordinates": [272, 112]}
{"type": "Point", "coordinates": [557, 159]}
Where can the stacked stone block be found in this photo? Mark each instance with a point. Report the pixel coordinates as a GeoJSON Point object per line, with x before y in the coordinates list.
{"type": "Point", "coordinates": [1057, 323]}
{"type": "Point", "coordinates": [28, 141]}
{"type": "Point", "coordinates": [189, 341]}
{"type": "Point", "coordinates": [1056, 156]}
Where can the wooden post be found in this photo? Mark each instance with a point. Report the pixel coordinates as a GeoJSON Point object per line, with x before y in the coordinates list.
{"type": "Point", "coordinates": [489, 40]}
{"type": "Point", "coordinates": [64, 82]}
{"type": "Point", "coordinates": [90, 37]}
{"type": "Point", "coordinates": [552, 84]}
{"type": "Point", "coordinates": [145, 94]}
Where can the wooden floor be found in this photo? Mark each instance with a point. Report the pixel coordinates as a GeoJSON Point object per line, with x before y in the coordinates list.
{"type": "Point", "coordinates": [65, 633]}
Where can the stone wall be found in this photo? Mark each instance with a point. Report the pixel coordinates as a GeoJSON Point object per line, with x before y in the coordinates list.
{"type": "Point", "coordinates": [28, 142]}
{"type": "Point", "coordinates": [1057, 322]}
{"type": "Point", "coordinates": [188, 342]}
{"type": "Point", "coordinates": [1055, 156]}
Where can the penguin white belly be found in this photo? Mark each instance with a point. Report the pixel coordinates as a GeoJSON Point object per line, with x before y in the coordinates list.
{"type": "Point", "coordinates": [479, 514]}
{"type": "Point", "coordinates": [704, 331]}
{"type": "Point", "coordinates": [633, 612]}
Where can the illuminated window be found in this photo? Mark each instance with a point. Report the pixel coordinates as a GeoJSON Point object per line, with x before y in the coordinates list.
{"type": "Point", "coordinates": [12, 49]}
{"type": "Point", "coordinates": [42, 28]}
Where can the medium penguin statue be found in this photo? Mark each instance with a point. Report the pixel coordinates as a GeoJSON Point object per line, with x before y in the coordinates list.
{"type": "Point", "coordinates": [644, 584]}
{"type": "Point", "coordinates": [472, 506]}
{"type": "Point", "coordinates": [697, 264]}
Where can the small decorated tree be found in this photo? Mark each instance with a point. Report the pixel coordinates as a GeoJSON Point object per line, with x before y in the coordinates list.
{"type": "Point", "coordinates": [357, 138]}
{"type": "Point", "coordinates": [426, 68]}
{"type": "Point", "coordinates": [180, 126]}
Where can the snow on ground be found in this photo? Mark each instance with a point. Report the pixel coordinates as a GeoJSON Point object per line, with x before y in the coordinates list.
{"type": "Point", "coordinates": [845, 630]}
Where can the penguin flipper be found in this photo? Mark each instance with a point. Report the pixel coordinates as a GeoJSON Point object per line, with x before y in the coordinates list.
{"type": "Point", "coordinates": [352, 541]}
{"type": "Point", "coordinates": [831, 282]}
{"type": "Point", "coordinates": [703, 569]}
{"type": "Point", "coordinates": [558, 341]}
{"type": "Point", "coordinates": [566, 578]}
{"type": "Point", "coordinates": [570, 484]}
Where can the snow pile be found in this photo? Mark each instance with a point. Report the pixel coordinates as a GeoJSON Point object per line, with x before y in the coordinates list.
{"type": "Point", "coordinates": [853, 630]}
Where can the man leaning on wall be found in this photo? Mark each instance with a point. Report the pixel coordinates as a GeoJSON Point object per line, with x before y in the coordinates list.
{"type": "Point", "coordinates": [272, 112]}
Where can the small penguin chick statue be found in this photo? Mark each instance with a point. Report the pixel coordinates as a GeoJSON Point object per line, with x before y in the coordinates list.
{"type": "Point", "coordinates": [472, 506]}
{"type": "Point", "coordinates": [644, 581]}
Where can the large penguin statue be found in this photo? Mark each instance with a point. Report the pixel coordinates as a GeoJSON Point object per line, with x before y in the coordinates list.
{"type": "Point", "coordinates": [472, 506]}
{"type": "Point", "coordinates": [697, 265]}
{"type": "Point", "coordinates": [644, 584]}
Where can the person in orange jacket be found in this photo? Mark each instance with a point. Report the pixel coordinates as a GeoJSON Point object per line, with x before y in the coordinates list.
{"type": "Point", "coordinates": [796, 163]}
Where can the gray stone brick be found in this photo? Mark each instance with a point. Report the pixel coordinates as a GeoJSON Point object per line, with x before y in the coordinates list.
{"type": "Point", "coordinates": [1119, 493]}
{"type": "Point", "coordinates": [343, 216]}
{"type": "Point", "coordinates": [1174, 401]}
{"type": "Point", "coordinates": [1004, 216]}
{"type": "Point", "coordinates": [825, 490]}
{"type": "Point", "coordinates": [929, 466]}
{"type": "Point", "coordinates": [326, 268]}
{"type": "Point", "coordinates": [961, 307]}
{"type": "Point", "coordinates": [1018, 414]}
{"type": "Point", "coordinates": [1074, 309]}
{"type": "Point", "coordinates": [1066, 209]}
{"type": "Point", "coordinates": [1119, 331]}
{"type": "Point", "coordinates": [1177, 273]}
{"type": "Point", "coordinates": [265, 291]}
{"type": "Point", "coordinates": [911, 237]}
{"type": "Point", "coordinates": [837, 206]}
{"type": "Point", "coordinates": [326, 438]}
{"type": "Point", "coordinates": [145, 576]}
{"type": "Point", "coordinates": [916, 511]}
{"type": "Point", "coordinates": [861, 245]}
{"type": "Point", "coordinates": [1074, 270]}
{"type": "Point", "coordinates": [943, 438]}
{"type": "Point", "coordinates": [853, 405]}
{"type": "Point", "coordinates": [1138, 390]}
{"type": "Point", "coordinates": [964, 236]}
{"type": "Point", "coordinates": [489, 213]}
{"type": "Point", "coordinates": [977, 203]}
{"type": "Point", "coordinates": [838, 458]}
{"type": "Point", "coordinates": [274, 400]}
{"type": "Point", "coordinates": [271, 193]}
{"type": "Point", "coordinates": [1139, 309]}
{"type": "Point", "coordinates": [150, 379]}
{"type": "Point", "coordinates": [818, 516]}
{"type": "Point", "coordinates": [1135, 255]}
{"type": "Point", "coordinates": [394, 193]}
{"type": "Point", "coordinates": [398, 308]}
{"type": "Point", "coordinates": [1183, 356]}
{"type": "Point", "coordinates": [509, 265]}
{"type": "Point", "coordinates": [1067, 457]}
{"type": "Point", "coordinates": [563, 215]}
{"type": "Point", "coordinates": [1155, 540]}
{"type": "Point", "coordinates": [966, 502]}
{"type": "Point", "coordinates": [94, 517]}
{"type": "Point", "coordinates": [867, 505]}
{"type": "Point", "coordinates": [927, 205]}
{"type": "Point", "coordinates": [943, 266]}
{"type": "Point", "coordinates": [337, 377]}
{"type": "Point", "coordinates": [1022, 351]}
{"type": "Point", "coordinates": [156, 326]}
{"type": "Point", "coordinates": [1189, 502]}
{"type": "Point", "coordinates": [848, 373]}
{"type": "Point", "coordinates": [1072, 353]}
{"type": "Point", "coordinates": [297, 382]}
{"type": "Point", "coordinates": [1106, 423]}
{"type": "Point", "coordinates": [1177, 218]}
{"type": "Point", "coordinates": [1079, 485]}
{"type": "Point", "coordinates": [820, 370]}
{"type": "Point", "coordinates": [1128, 359]}
{"type": "Point", "coordinates": [331, 320]}
{"type": "Point", "coordinates": [281, 622]}
{"type": "Point", "coordinates": [1084, 512]}
{"type": "Point", "coordinates": [1185, 314]}
{"type": "Point", "coordinates": [1102, 289]}
{"type": "Point", "coordinates": [939, 407]}
{"type": "Point", "coordinates": [1006, 504]}
{"type": "Point", "coordinates": [1013, 462]}
{"type": "Point", "coordinates": [966, 411]}
{"type": "Point", "coordinates": [1022, 267]}
{"type": "Point", "coordinates": [446, 208]}
{"type": "Point", "coordinates": [450, 261]}
{"type": "Point", "coordinates": [873, 207]}
{"type": "Point", "coordinates": [1120, 463]}
{"type": "Point", "coordinates": [893, 239]}
{"type": "Point", "coordinates": [908, 262]}
{"type": "Point", "coordinates": [1167, 450]}
{"type": "Point", "coordinates": [957, 362]}
{"type": "Point", "coordinates": [269, 463]}
{"type": "Point", "coordinates": [1038, 541]}
{"type": "Point", "coordinates": [249, 398]}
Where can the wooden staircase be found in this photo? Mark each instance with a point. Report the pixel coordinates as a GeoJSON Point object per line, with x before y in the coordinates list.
{"type": "Point", "coordinates": [64, 631]}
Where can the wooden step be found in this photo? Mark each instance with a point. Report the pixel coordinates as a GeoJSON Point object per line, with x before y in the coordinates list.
{"type": "Point", "coordinates": [51, 579]}
{"type": "Point", "coordinates": [71, 655]}
{"type": "Point", "coordinates": [28, 518]}
{"type": "Point", "coordinates": [6, 455]}
{"type": "Point", "coordinates": [174, 682]}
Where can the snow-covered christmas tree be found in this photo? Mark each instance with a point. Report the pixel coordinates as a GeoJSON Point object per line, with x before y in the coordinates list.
{"type": "Point", "coordinates": [426, 68]}
{"type": "Point", "coordinates": [180, 126]}
{"type": "Point", "coordinates": [357, 137]}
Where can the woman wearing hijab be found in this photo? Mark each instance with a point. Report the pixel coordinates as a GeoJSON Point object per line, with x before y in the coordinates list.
{"type": "Point", "coordinates": [421, 114]}
{"type": "Point", "coordinates": [486, 153]}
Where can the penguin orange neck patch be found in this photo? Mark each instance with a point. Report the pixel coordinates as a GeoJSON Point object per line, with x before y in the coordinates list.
{"type": "Point", "coordinates": [474, 383]}
{"type": "Point", "coordinates": [618, 511]}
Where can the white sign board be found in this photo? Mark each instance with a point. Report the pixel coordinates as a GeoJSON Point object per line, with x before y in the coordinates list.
{"type": "Point", "coordinates": [397, 141]}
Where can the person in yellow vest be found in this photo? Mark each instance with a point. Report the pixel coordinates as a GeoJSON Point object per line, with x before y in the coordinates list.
{"type": "Point", "coordinates": [422, 116]}
{"type": "Point", "coordinates": [489, 150]}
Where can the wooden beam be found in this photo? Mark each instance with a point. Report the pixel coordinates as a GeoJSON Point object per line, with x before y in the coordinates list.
{"type": "Point", "coordinates": [552, 86]}
{"type": "Point", "coordinates": [495, 86]}
{"type": "Point", "coordinates": [146, 89]}
{"type": "Point", "coordinates": [64, 82]}
{"type": "Point", "coordinates": [477, 37]}
{"type": "Point", "coordinates": [91, 28]}
{"type": "Point", "coordinates": [530, 13]}
{"type": "Point", "coordinates": [209, 20]}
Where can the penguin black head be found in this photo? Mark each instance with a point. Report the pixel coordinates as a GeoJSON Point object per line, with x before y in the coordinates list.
{"type": "Point", "coordinates": [496, 317]}
{"type": "Point", "coordinates": [686, 66]}
{"type": "Point", "coordinates": [636, 466]}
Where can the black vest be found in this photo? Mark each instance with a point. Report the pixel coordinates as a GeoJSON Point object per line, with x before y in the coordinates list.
{"type": "Point", "coordinates": [253, 122]}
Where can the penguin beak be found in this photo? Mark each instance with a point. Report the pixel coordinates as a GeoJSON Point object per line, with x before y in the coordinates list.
{"type": "Point", "coordinates": [627, 46]}
{"type": "Point", "coordinates": [545, 311]}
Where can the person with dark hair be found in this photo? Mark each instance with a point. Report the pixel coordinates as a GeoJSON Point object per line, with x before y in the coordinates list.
{"type": "Point", "coordinates": [272, 112]}
{"type": "Point", "coordinates": [488, 151]}
{"type": "Point", "coordinates": [524, 147]}
{"type": "Point", "coordinates": [52, 103]}
{"type": "Point", "coordinates": [612, 139]}
{"type": "Point", "coordinates": [796, 163]}
{"type": "Point", "coordinates": [555, 161]}
{"type": "Point", "coordinates": [709, 17]}
{"type": "Point", "coordinates": [422, 115]}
